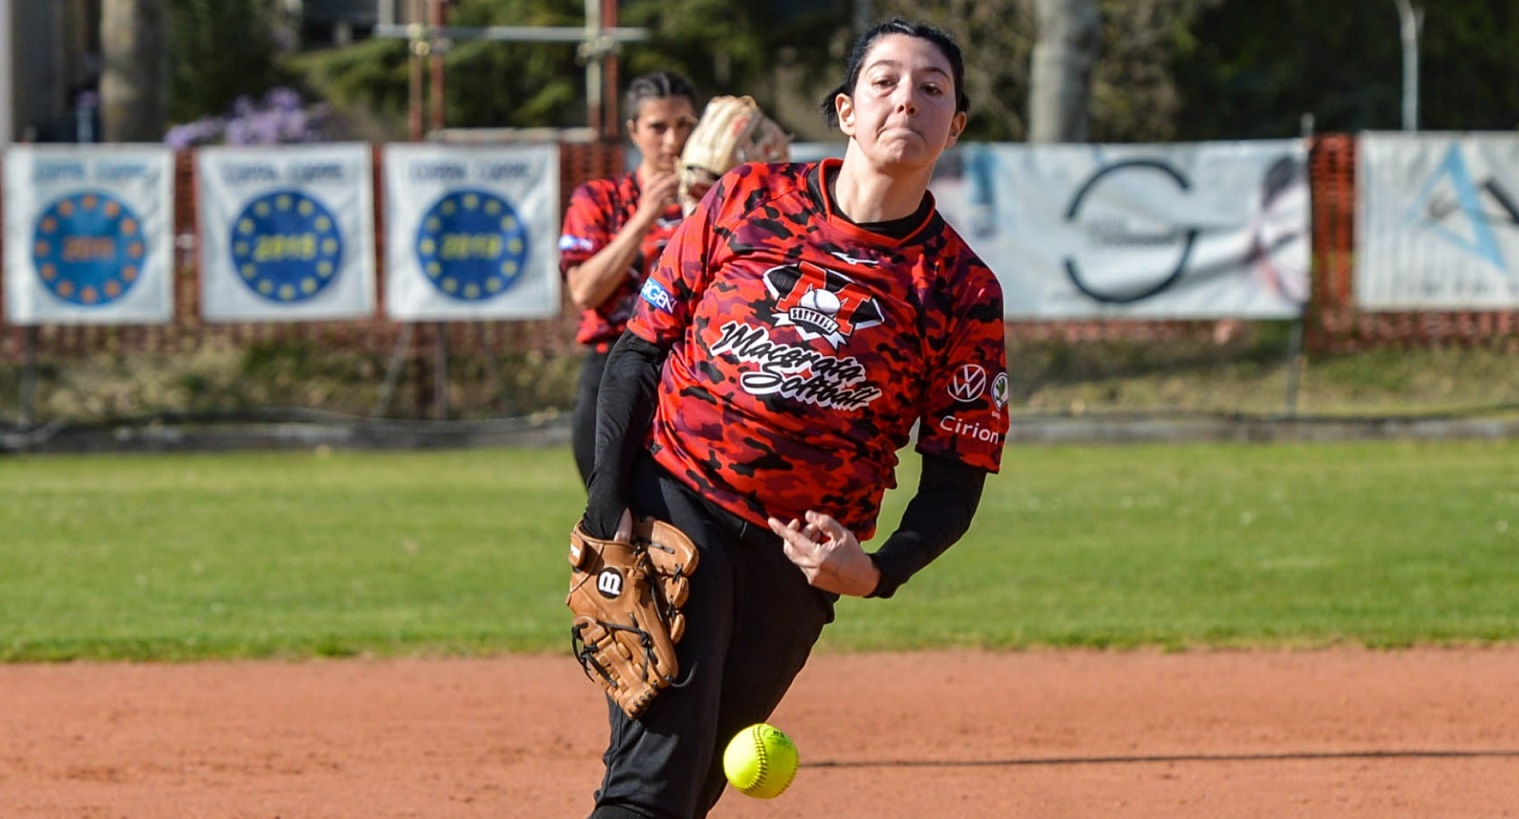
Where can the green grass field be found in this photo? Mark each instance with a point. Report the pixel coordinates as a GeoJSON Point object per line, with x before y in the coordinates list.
{"type": "Point", "coordinates": [462, 552]}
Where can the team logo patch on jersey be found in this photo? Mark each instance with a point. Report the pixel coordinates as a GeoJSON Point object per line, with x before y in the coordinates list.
{"type": "Point", "coordinates": [968, 384]}
{"type": "Point", "coordinates": [657, 297]}
{"type": "Point", "coordinates": [568, 242]}
{"type": "Point", "coordinates": [820, 303]}
{"type": "Point", "coordinates": [1000, 391]}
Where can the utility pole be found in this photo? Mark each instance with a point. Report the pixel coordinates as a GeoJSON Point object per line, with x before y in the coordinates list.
{"type": "Point", "coordinates": [7, 84]}
{"type": "Point", "coordinates": [1412, 19]}
{"type": "Point", "coordinates": [437, 18]}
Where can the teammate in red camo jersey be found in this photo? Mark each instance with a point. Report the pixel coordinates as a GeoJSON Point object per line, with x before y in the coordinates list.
{"type": "Point", "coordinates": [803, 321]}
{"type": "Point", "coordinates": [614, 230]}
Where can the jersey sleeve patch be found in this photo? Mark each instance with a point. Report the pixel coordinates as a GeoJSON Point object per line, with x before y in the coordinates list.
{"type": "Point", "coordinates": [657, 297]}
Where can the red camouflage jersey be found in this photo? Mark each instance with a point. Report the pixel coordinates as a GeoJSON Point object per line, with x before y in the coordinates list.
{"type": "Point", "coordinates": [804, 349]}
{"type": "Point", "coordinates": [598, 210]}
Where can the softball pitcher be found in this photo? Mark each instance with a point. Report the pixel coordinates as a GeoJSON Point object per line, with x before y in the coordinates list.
{"type": "Point", "coordinates": [804, 320]}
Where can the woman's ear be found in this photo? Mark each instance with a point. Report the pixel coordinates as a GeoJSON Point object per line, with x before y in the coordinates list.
{"type": "Point", "coordinates": [957, 127]}
{"type": "Point", "coordinates": [843, 106]}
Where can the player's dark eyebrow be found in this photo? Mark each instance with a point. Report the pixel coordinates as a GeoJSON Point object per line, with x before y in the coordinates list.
{"type": "Point", "coordinates": [889, 63]}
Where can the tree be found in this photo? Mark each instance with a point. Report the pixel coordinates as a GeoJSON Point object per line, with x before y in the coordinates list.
{"type": "Point", "coordinates": [1163, 70]}
{"type": "Point", "coordinates": [487, 83]}
{"type": "Point", "coordinates": [1060, 88]}
{"type": "Point", "coordinates": [785, 53]}
{"type": "Point", "coordinates": [514, 84]}
{"type": "Point", "coordinates": [723, 46]}
{"type": "Point", "coordinates": [220, 50]}
{"type": "Point", "coordinates": [1134, 90]}
{"type": "Point", "coordinates": [1250, 75]}
{"type": "Point", "coordinates": [133, 93]}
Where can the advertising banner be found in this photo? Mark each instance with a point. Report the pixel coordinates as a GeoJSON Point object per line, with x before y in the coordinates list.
{"type": "Point", "coordinates": [89, 234]}
{"type": "Point", "coordinates": [287, 232]}
{"type": "Point", "coordinates": [1172, 231]}
{"type": "Point", "coordinates": [471, 232]}
{"type": "Point", "coordinates": [1437, 222]}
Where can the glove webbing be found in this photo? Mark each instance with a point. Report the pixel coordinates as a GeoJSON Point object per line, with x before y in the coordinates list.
{"type": "Point", "coordinates": [586, 654]}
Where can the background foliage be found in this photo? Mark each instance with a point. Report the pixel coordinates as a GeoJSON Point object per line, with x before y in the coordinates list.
{"type": "Point", "coordinates": [1256, 74]}
{"type": "Point", "coordinates": [1169, 69]}
{"type": "Point", "coordinates": [221, 50]}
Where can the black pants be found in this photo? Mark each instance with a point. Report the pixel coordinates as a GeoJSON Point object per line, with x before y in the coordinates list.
{"type": "Point", "coordinates": [751, 622]}
{"type": "Point", "coordinates": [583, 421]}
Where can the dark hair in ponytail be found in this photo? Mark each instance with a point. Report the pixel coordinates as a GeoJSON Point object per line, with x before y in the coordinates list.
{"type": "Point", "coordinates": [656, 85]}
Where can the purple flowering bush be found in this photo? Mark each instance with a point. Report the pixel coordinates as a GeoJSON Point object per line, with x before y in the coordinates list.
{"type": "Point", "coordinates": [281, 117]}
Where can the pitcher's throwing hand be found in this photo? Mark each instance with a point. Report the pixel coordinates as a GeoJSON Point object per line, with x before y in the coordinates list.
{"type": "Point", "coordinates": [829, 554]}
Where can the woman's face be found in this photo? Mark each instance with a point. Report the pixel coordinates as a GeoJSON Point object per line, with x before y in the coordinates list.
{"type": "Point", "coordinates": [659, 130]}
{"type": "Point", "coordinates": [902, 108]}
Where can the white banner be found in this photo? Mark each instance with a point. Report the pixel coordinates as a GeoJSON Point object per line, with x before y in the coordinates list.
{"type": "Point", "coordinates": [1183, 231]}
{"type": "Point", "coordinates": [1436, 222]}
{"type": "Point", "coordinates": [287, 232]}
{"type": "Point", "coordinates": [471, 232]}
{"type": "Point", "coordinates": [89, 234]}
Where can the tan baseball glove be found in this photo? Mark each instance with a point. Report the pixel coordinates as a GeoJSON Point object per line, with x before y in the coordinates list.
{"type": "Point", "coordinates": [731, 131]}
{"type": "Point", "coordinates": [626, 598]}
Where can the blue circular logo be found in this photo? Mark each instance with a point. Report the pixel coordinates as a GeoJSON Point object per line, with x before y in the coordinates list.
{"type": "Point", "coordinates": [286, 247]}
{"type": "Point", "coordinates": [471, 245]}
{"type": "Point", "coordinates": [88, 249]}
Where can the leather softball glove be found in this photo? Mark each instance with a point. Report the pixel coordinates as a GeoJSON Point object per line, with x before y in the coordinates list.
{"type": "Point", "coordinates": [731, 131]}
{"type": "Point", "coordinates": [626, 598]}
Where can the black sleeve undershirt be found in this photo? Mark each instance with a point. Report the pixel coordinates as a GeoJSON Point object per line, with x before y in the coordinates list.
{"type": "Point", "coordinates": [623, 412]}
{"type": "Point", "coordinates": [938, 515]}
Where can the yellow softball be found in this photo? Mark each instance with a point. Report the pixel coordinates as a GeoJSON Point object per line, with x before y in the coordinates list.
{"type": "Point", "coordinates": [760, 761]}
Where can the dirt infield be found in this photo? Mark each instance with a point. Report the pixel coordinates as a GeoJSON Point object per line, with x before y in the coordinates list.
{"type": "Point", "coordinates": [1338, 733]}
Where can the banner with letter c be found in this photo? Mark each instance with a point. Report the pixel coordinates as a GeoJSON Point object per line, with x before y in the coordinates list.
{"type": "Point", "coordinates": [89, 234]}
{"type": "Point", "coordinates": [1166, 231]}
{"type": "Point", "coordinates": [471, 232]}
{"type": "Point", "coordinates": [287, 232]}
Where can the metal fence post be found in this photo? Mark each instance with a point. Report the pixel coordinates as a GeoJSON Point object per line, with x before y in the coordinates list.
{"type": "Point", "coordinates": [28, 398]}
